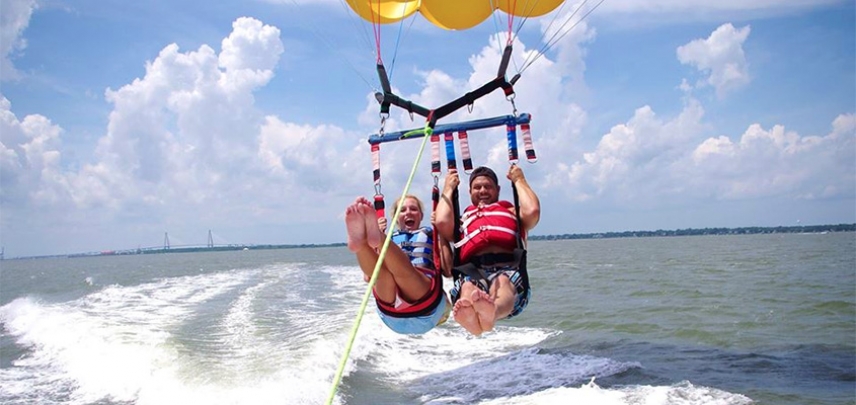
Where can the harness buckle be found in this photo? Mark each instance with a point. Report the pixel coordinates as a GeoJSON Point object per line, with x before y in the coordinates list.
{"type": "Point", "coordinates": [383, 117]}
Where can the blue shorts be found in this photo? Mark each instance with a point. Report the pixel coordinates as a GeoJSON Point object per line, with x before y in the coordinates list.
{"type": "Point", "coordinates": [492, 272]}
{"type": "Point", "coordinates": [419, 324]}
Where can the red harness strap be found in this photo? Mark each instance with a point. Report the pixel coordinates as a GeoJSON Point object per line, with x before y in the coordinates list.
{"type": "Point", "coordinates": [423, 306]}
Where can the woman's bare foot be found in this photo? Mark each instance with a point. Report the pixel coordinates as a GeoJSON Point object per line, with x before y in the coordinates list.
{"type": "Point", "coordinates": [374, 237]}
{"type": "Point", "coordinates": [356, 225]}
{"type": "Point", "coordinates": [485, 309]}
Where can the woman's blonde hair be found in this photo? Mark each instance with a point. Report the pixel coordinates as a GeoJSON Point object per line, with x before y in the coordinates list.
{"type": "Point", "coordinates": [418, 202]}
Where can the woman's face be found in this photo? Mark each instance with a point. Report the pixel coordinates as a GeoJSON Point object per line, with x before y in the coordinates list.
{"type": "Point", "coordinates": [410, 217]}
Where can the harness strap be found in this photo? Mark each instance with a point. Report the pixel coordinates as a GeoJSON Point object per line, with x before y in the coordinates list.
{"type": "Point", "coordinates": [524, 274]}
{"type": "Point", "coordinates": [483, 228]}
{"type": "Point", "coordinates": [471, 216]}
{"type": "Point", "coordinates": [425, 305]}
{"type": "Point", "coordinates": [471, 268]}
{"type": "Point", "coordinates": [473, 271]}
{"type": "Point", "coordinates": [422, 255]}
{"type": "Point", "coordinates": [475, 268]}
{"type": "Point", "coordinates": [415, 244]}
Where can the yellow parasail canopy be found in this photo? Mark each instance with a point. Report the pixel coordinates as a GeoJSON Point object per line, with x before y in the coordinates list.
{"type": "Point", "coordinates": [448, 14]}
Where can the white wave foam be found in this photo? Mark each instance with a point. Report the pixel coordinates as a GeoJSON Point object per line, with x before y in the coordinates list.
{"type": "Point", "coordinates": [683, 393]}
{"type": "Point", "coordinates": [112, 344]}
{"type": "Point", "coordinates": [505, 362]}
{"type": "Point", "coordinates": [70, 348]}
{"type": "Point", "coordinates": [277, 335]}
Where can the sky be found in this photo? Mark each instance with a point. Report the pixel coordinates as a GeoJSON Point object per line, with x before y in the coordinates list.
{"type": "Point", "coordinates": [123, 124]}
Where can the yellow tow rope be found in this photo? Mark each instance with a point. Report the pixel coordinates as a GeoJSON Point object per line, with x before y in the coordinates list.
{"type": "Point", "coordinates": [337, 379]}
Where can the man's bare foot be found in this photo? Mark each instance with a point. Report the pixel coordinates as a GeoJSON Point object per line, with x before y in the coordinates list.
{"type": "Point", "coordinates": [374, 237]}
{"type": "Point", "coordinates": [465, 315]}
{"type": "Point", "coordinates": [485, 309]}
{"type": "Point", "coordinates": [356, 225]}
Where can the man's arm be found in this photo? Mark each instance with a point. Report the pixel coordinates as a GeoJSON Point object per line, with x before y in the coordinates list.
{"type": "Point", "coordinates": [445, 212]}
{"type": "Point", "coordinates": [530, 205]}
{"type": "Point", "coordinates": [446, 256]}
{"type": "Point", "coordinates": [445, 249]}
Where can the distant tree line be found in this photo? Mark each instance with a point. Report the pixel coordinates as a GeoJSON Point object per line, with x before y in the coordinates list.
{"type": "Point", "coordinates": [748, 230]}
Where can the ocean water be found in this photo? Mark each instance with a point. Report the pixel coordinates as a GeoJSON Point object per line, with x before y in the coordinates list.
{"type": "Point", "coordinates": [752, 319]}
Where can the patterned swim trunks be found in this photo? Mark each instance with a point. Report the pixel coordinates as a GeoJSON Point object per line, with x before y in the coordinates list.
{"type": "Point", "coordinates": [492, 272]}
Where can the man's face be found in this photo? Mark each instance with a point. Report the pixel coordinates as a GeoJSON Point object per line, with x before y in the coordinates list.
{"type": "Point", "coordinates": [484, 191]}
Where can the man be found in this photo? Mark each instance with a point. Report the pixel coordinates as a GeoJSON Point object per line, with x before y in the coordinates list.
{"type": "Point", "coordinates": [489, 239]}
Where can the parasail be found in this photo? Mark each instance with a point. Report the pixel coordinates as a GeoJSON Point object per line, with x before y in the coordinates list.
{"type": "Point", "coordinates": [452, 15]}
{"type": "Point", "coordinates": [448, 14]}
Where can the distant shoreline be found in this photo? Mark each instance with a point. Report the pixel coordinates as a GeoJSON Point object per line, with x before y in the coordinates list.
{"type": "Point", "coordinates": [749, 230]}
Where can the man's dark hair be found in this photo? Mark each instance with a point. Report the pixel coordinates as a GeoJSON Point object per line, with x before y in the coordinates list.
{"type": "Point", "coordinates": [483, 171]}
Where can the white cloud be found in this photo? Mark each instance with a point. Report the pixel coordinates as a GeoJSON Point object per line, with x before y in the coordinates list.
{"type": "Point", "coordinates": [320, 158]}
{"type": "Point", "coordinates": [251, 46]}
{"type": "Point", "coordinates": [14, 19]}
{"type": "Point", "coordinates": [720, 57]}
{"type": "Point", "coordinates": [186, 141]}
{"type": "Point", "coordinates": [29, 158]}
{"type": "Point", "coordinates": [779, 162]}
{"type": "Point", "coordinates": [185, 129]}
{"type": "Point", "coordinates": [630, 160]}
{"type": "Point", "coordinates": [649, 160]}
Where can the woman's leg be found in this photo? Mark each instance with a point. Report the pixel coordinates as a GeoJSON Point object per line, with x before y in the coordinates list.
{"type": "Point", "coordinates": [364, 237]}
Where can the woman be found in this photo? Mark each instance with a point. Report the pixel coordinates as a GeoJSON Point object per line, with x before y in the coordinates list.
{"type": "Point", "coordinates": [409, 287]}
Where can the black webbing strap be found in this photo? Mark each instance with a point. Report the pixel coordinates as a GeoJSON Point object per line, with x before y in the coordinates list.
{"type": "Point", "coordinates": [387, 97]}
{"type": "Point", "coordinates": [471, 97]}
{"type": "Point", "coordinates": [435, 248]}
{"type": "Point", "coordinates": [521, 249]}
{"type": "Point", "coordinates": [456, 210]}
